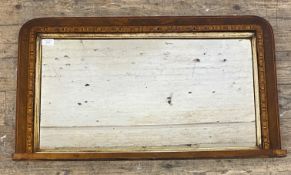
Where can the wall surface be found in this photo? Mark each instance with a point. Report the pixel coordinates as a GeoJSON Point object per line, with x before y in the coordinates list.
{"type": "Point", "coordinates": [14, 13]}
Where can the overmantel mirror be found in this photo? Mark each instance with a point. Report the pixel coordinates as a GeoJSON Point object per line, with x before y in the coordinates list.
{"type": "Point", "coordinates": [147, 88]}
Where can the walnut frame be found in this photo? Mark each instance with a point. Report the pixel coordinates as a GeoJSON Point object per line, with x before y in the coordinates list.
{"type": "Point", "coordinates": [26, 140]}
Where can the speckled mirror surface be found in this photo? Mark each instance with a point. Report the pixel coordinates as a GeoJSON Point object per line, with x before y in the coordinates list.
{"type": "Point", "coordinates": [165, 92]}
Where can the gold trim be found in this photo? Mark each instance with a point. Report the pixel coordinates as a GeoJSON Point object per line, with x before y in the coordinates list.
{"type": "Point", "coordinates": [142, 149]}
{"type": "Point", "coordinates": [199, 35]}
{"type": "Point", "coordinates": [30, 94]}
{"type": "Point", "coordinates": [256, 92]}
{"type": "Point", "coordinates": [147, 29]}
{"type": "Point", "coordinates": [37, 93]}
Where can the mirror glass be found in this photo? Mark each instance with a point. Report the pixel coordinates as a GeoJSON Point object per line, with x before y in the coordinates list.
{"type": "Point", "coordinates": [147, 92]}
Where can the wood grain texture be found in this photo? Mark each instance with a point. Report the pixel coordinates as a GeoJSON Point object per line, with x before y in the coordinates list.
{"type": "Point", "coordinates": [2, 107]}
{"type": "Point", "coordinates": [16, 12]}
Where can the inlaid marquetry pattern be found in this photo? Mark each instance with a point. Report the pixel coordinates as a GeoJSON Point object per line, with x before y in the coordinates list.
{"type": "Point", "coordinates": [30, 94]}
{"type": "Point", "coordinates": [262, 88]}
{"type": "Point", "coordinates": [147, 29]}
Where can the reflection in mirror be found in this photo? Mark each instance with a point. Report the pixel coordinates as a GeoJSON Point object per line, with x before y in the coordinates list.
{"type": "Point", "coordinates": [159, 93]}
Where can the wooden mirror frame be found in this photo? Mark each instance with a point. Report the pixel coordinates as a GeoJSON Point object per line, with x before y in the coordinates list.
{"type": "Point", "coordinates": [26, 127]}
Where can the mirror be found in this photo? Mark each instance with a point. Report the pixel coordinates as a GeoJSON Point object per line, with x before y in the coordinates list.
{"type": "Point", "coordinates": [146, 88]}
{"type": "Point", "coordinates": [148, 92]}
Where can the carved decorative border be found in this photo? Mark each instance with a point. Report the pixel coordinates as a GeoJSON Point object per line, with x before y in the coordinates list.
{"type": "Point", "coordinates": [262, 89]}
{"type": "Point", "coordinates": [30, 94]}
{"type": "Point", "coordinates": [147, 29]}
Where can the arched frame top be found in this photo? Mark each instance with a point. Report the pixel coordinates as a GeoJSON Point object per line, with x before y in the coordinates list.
{"type": "Point", "coordinates": [26, 129]}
